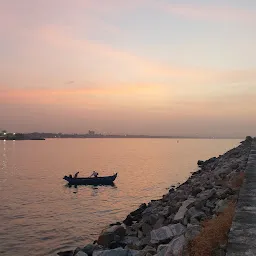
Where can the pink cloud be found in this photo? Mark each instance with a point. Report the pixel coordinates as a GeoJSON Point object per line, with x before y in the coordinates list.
{"type": "Point", "coordinates": [61, 37]}
{"type": "Point", "coordinates": [87, 96]}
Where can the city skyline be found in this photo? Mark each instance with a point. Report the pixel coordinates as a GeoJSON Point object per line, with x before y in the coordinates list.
{"type": "Point", "coordinates": [137, 67]}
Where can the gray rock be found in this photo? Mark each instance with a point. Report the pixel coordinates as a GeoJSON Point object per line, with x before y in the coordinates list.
{"type": "Point", "coordinates": [194, 221]}
{"type": "Point", "coordinates": [135, 215]}
{"type": "Point", "coordinates": [192, 231]}
{"type": "Point", "coordinates": [146, 228]}
{"type": "Point", "coordinates": [76, 251]}
{"type": "Point", "coordinates": [183, 209]}
{"type": "Point", "coordinates": [116, 244]}
{"type": "Point", "coordinates": [140, 234]}
{"type": "Point", "coordinates": [159, 223]}
{"type": "Point", "coordinates": [131, 232]}
{"type": "Point", "coordinates": [108, 235]}
{"type": "Point", "coordinates": [200, 162]}
{"type": "Point", "coordinates": [223, 193]}
{"type": "Point", "coordinates": [207, 194]}
{"type": "Point", "coordinates": [148, 250]}
{"type": "Point", "coordinates": [136, 225]}
{"type": "Point", "coordinates": [173, 208]}
{"type": "Point", "coordinates": [134, 253]}
{"type": "Point", "coordinates": [130, 240]}
{"type": "Point", "coordinates": [140, 244]}
{"type": "Point", "coordinates": [196, 191]}
{"type": "Point", "coordinates": [199, 216]}
{"type": "Point", "coordinates": [89, 248]}
{"type": "Point", "coordinates": [148, 211]}
{"type": "Point", "coordinates": [199, 204]}
{"type": "Point", "coordinates": [144, 242]}
{"type": "Point", "coordinates": [166, 232]}
{"type": "Point", "coordinates": [165, 211]}
{"type": "Point", "coordinates": [128, 220]}
{"type": "Point", "coordinates": [207, 211]}
{"type": "Point", "coordinates": [81, 253]}
{"type": "Point", "coordinates": [221, 205]}
{"type": "Point", "coordinates": [161, 249]}
{"type": "Point", "coordinates": [153, 219]}
{"type": "Point", "coordinates": [210, 204]}
{"type": "Point", "coordinates": [114, 252]}
{"type": "Point", "coordinates": [176, 246]}
{"type": "Point", "coordinates": [192, 211]}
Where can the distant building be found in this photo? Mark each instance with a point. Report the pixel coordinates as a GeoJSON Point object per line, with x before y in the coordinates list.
{"type": "Point", "coordinates": [91, 132]}
{"type": "Point", "coordinates": [3, 132]}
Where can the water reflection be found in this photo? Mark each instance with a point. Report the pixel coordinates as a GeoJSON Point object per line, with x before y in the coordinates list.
{"type": "Point", "coordinates": [68, 185]}
{"type": "Point", "coordinates": [92, 187]}
{"type": "Point", "coordinates": [95, 191]}
{"type": "Point", "coordinates": [3, 165]}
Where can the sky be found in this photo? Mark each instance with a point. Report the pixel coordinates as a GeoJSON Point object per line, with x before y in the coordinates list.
{"type": "Point", "coordinates": [157, 67]}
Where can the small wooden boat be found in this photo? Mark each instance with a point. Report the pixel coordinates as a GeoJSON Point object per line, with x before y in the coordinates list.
{"type": "Point", "coordinates": [107, 180]}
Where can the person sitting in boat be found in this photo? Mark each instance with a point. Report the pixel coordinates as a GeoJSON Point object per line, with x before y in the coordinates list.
{"type": "Point", "coordinates": [94, 174]}
{"type": "Point", "coordinates": [75, 176]}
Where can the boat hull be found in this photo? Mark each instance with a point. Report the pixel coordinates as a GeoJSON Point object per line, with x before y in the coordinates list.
{"type": "Point", "coordinates": [108, 180]}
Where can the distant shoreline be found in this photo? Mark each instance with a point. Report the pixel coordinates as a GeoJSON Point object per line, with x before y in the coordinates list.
{"type": "Point", "coordinates": [4, 135]}
{"type": "Point", "coordinates": [5, 139]}
{"type": "Point", "coordinates": [117, 137]}
{"type": "Point", "coordinates": [140, 137]}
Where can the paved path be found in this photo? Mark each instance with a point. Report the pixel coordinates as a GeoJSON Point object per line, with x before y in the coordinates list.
{"type": "Point", "coordinates": [242, 236]}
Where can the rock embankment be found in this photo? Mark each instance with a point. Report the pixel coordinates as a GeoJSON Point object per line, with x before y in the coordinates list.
{"type": "Point", "coordinates": [164, 227]}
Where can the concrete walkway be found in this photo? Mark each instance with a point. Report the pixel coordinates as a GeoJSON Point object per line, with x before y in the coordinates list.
{"type": "Point", "coordinates": [242, 236]}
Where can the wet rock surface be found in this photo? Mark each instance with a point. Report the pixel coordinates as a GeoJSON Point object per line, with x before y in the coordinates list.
{"type": "Point", "coordinates": [165, 226]}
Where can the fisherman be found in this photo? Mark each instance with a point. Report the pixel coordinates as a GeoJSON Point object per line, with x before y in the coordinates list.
{"type": "Point", "coordinates": [94, 174]}
{"type": "Point", "coordinates": [75, 176]}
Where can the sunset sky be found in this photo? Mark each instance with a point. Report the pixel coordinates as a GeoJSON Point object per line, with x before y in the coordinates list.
{"type": "Point", "coordinates": [140, 66]}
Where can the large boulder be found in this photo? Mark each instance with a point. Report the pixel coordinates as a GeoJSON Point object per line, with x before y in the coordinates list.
{"type": "Point", "coordinates": [176, 246]}
{"type": "Point", "coordinates": [179, 216]}
{"type": "Point", "coordinates": [161, 249]}
{"type": "Point", "coordinates": [128, 220]}
{"type": "Point", "coordinates": [159, 223]}
{"type": "Point", "coordinates": [140, 244]}
{"type": "Point", "coordinates": [193, 213]}
{"type": "Point", "coordinates": [147, 250]}
{"type": "Point", "coordinates": [114, 233]}
{"type": "Point", "coordinates": [130, 239]}
{"type": "Point", "coordinates": [167, 232]}
{"type": "Point", "coordinates": [146, 228]}
{"type": "Point", "coordinates": [196, 190]}
{"type": "Point", "coordinates": [89, 248]}
{"type": "Point", "coordinates": [207, 194]}
{"type": "Point", "coordinates": [135, 215]}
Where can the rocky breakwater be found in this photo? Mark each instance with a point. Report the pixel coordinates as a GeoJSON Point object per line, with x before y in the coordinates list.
{"type": "Point", "coordinates": [164, 227]}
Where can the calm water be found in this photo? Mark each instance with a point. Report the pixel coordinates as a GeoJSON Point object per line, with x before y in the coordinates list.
{"type": "Point", "coordinates": [39, 215]}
